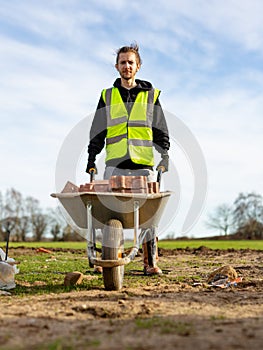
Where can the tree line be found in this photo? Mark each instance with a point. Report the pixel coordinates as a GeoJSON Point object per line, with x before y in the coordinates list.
{"type": "Point", "coordinates": [25, 220]}
{"type": "Point", "coordinates": [243, 219]}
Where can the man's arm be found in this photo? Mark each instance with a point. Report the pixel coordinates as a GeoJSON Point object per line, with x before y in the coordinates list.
{"type": "Point", "coordinates": [161, 136]}
{"type": "Point", "coordinates": [98, 133]}
{"type": "Point", "coordinates": [160, 129]}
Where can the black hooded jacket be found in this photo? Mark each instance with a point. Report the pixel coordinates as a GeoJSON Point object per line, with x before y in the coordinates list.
{"type": "Point", "coordinates": [98, 129]}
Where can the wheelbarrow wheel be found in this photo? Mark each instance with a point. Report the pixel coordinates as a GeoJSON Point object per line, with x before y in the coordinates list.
{"type": "Point", "coordinates": [112, 249]}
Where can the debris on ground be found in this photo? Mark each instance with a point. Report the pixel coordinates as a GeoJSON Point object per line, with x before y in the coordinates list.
{"type": "Point", "coordinates": [8, 270]}
{"type": "Point", "coordinates": [4, 292]}
{"type": "Point", "coordinates": [223, 277]}
{"type": "Point", "coordinates": [73, 278]}
{"type": "Point", "coordinates": [226, 271]}
{"type": "Point", "coordinates": [43, 250]}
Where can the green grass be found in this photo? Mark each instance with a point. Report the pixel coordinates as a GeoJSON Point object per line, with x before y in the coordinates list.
{"type": "Point", "coordinates": [244, 244]}
{"type": "Point", "coordinates": [167, 244]}
{"type": "Point", "coordinates": [49, 245]}
{"type": "Point", "coordinates": [43, 273]}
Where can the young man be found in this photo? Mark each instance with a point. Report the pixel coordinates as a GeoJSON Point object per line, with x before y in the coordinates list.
{"type": "Point", "coordinates": [130, 119]}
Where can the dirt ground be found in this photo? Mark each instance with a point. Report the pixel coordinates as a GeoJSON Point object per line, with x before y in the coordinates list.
{"type": "Point", "coordinates": [164, 313]}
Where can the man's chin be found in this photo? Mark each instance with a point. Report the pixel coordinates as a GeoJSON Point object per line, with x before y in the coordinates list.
{"type": "Point", "coordinates": [126, 77]}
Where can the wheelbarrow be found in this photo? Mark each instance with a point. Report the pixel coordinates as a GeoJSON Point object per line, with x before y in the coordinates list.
{"type": "Point", "coordinates": [112, 212]}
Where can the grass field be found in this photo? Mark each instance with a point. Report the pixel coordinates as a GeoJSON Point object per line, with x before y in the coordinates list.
{"type": "Point", "coordinates": [44, 273]}
{"type": "Point", "coordinates": [167, 244]}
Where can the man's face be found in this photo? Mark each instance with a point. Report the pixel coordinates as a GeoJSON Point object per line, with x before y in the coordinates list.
{"type": "Point", "coordinates": [127, 65]}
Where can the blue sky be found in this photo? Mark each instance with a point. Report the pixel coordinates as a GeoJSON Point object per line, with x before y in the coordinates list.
{"type": "Point", "coordinates": [56, 57]}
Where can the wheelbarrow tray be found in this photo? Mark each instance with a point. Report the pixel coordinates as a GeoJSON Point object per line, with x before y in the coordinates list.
{"type": "Point", "coordinates": [114, 205]}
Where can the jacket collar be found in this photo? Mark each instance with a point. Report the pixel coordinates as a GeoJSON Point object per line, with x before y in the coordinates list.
{"type": "Point", "coordinates": [141, 84]}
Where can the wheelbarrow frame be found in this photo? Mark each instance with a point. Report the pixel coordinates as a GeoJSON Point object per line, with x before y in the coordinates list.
{"type": "Point", "coordinates": [116, 211]}
{"type": "Point", "coordinates": [91, 211]}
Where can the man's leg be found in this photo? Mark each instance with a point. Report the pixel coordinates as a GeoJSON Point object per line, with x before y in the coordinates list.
{"type": "Point", "coordinates": [150, 253]}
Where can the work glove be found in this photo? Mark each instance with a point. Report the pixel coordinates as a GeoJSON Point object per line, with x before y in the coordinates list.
{"type": "Point", "coordinates": [164, 163]}
{"type": "Point", "coordinates": [91, 166]}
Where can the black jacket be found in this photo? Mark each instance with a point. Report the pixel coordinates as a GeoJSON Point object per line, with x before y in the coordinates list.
{"type": "Point", "coordinates": [98, 129]}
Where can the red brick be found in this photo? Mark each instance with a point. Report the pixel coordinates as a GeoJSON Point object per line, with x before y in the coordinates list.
{"type": "Point", "coordinates": [128, 182]}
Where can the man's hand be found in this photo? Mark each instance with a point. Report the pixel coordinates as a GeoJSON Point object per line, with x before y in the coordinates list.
{"type": "Point", "coordinates": [91, 166]}
{"type": "Point", "coordinates": [164, 163]}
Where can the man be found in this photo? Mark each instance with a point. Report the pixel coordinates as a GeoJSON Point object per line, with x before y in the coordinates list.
{"type": "Point", "coordinates": [130, 118]}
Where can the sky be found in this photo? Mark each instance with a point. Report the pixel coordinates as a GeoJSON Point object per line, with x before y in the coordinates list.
{"type": "Point", "coordinates": [205, 57]}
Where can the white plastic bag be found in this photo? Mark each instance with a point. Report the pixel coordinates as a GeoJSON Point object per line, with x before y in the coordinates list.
{"type": "Point", "coordinates": [8, 270]}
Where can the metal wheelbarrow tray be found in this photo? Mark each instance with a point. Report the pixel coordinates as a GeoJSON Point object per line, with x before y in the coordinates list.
{"type": "Point", "coordinates": [109, 205]}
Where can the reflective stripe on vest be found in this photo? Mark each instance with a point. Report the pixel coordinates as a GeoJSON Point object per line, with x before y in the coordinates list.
{"type": "Point", "coordinates": [130, 132]}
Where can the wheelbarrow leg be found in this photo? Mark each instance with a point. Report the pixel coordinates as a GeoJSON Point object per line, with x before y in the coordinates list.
{"type": "Point", "coordinates": [91, 236]}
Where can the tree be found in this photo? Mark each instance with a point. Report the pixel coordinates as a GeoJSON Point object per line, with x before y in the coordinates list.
{"type": "Point", "coordinates": [56, 224]}
{"type": "Point", "coordinates": [246, 207]}
{"type": "Point", "coordinates": [69, 234]}
{"type": "Point", "coordinates": [248, 215]}
{"type": "Point", "coordinates": [244, 218]}
{"type": "Point", "coordinates": [221, 219]}
{"type": "Point", "coordinates": [23, 218]}
{"type": "Point", "coordinates": [13, 213]}
{"type": "Point", "coordinates": [38, 220]}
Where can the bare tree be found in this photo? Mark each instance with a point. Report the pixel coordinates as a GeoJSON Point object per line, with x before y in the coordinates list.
{"type": "Point", "coordinates": [56, 224]}
{"type": "Point", "coordinates": [221, 219]}
{"type": "Point", "coordinates": [13, 214]}
{"type": "Point", "coordinates": [38, 220]}
{"type": "Point", "coordinates": [244, 218]}
{"type": "Point", "coordinates": [69, 234]}
{"type": "Point", "coordinates": [248, 215]}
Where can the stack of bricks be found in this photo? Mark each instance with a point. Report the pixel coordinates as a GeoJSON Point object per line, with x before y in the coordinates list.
{"type": "Point", "coordinates": [121, 184]}
{"type": "Point", "coordinates": [128, 184]}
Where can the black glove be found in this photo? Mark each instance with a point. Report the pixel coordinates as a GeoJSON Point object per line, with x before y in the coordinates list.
{"type": "Point", "coordinates": [91, 166]}
{"type": "Point", "coordinates": [164, 163]}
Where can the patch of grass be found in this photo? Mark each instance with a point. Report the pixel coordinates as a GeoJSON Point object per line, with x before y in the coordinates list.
{"type": "Point", "coordinates": [243, 244]}
{"type": "Point", "coordinates": [40, 273]}
{"type": "Point", "coordinates": [167, 244]}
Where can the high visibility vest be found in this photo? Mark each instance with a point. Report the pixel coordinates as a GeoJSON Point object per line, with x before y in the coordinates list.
{"type": "Point", "coordinates": [130, 133]}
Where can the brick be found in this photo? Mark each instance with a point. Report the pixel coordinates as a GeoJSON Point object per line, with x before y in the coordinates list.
{"type": "Point", "coordinates": [128, 182]}
{"type": "Point", "coordinates": [70, 188]}
{"type": "Point", "coordinates": [130, 190]}
{"type": "Point", "coordinates": [95, 186]}
{"type": "Point", "coordinates": [153, 187]}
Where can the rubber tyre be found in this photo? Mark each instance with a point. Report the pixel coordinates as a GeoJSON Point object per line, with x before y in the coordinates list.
{"type": "Point", "coordinates": [112, 249]}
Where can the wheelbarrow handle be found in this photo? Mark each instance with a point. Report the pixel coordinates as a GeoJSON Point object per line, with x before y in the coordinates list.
{"type": "Point", "coordinates": [159, 175]}
{"type": "Point", "coordinates": [92, 174]}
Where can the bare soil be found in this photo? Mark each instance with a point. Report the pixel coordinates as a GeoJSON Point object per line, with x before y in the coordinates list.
{"type": "Point", "coordinates": [161, 313]}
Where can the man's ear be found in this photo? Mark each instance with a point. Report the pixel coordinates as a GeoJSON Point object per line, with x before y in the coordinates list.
{"type": "Point", "coordinates": [116, 66]}
{"type": "Point", "coordinates": [138, 66]}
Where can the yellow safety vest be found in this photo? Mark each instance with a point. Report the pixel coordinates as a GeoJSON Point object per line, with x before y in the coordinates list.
{"type": "Point", "coordinates": [130, 132]}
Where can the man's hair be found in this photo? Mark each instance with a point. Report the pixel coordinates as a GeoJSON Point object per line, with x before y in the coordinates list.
{"type": "Point", "coordinates": [132, 48]}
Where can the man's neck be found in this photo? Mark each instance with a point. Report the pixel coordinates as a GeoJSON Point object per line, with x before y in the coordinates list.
{"type": "Point", "coordinates": [128, 84]}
